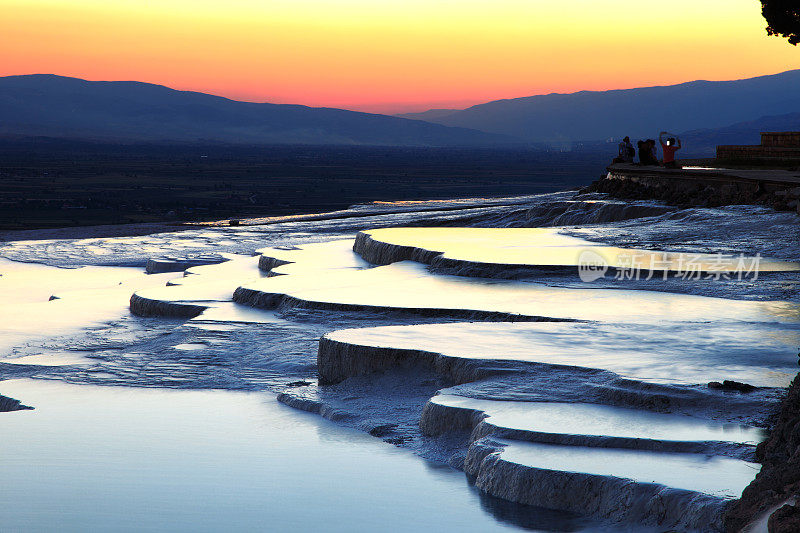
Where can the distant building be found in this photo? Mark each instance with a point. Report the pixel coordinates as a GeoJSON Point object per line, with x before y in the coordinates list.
{"type": "Point", "coordinates": [776, 149]}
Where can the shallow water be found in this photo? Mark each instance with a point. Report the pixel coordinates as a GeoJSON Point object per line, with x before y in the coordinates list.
{"type": "Point", "coordinates": [719, 476]}
{"type": "Point", "coordinates": [38, 300]}
{"type": "Point", "coordinates": [131, 459]}
{"type": "Point", "coordinates": [683, 353]}
{"type": "Point", "coordinates": [599, 420]}
{"type": "Point", "coordinates": [192, 438]}
{"type": "Point", "coordinates": [548, 247]}
{"type": "Point", "coordinates": [409, 285]}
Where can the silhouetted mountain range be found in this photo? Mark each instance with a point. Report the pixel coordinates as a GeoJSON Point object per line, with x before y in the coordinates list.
{"type": "Point", "coordinates": [598, 115]}
{"type": "Point", "coordinates": [57, 106]}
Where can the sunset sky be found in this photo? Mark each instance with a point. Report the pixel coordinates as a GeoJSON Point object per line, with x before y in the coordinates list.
{"type": "Point", "coordinates": [390, 55]}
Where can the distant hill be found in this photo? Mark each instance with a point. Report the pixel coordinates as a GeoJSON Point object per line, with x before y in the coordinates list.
{"type": "Point", "coordinates": [57, 106]}
{"type": "Point", "coordinates": [429, 115]}
{"type": "Point", "coordinates": [599, 115]}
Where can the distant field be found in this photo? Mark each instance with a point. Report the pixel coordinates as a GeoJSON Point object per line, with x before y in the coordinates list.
{"type": "Point", "coordinates": [46, 183]}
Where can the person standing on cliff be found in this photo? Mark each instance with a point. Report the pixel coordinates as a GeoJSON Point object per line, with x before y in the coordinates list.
{"type": "Point", "coordinates": [626, 151]}
{"type": "Point", "coordinates": [670, 146]}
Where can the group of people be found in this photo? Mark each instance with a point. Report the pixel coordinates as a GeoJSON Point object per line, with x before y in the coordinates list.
{"type": "Point", "coordinates": [648, 154]}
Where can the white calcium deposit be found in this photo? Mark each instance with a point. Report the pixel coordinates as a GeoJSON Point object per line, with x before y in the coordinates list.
{"type": "Point", "coordinates": [458, 330]}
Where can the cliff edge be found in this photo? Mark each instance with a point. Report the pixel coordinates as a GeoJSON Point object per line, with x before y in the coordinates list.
{"type": "Point", "coordinates": [779, 480]}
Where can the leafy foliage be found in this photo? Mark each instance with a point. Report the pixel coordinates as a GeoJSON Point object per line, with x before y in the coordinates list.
{"type": "Point", "coordinates": [783, 18]}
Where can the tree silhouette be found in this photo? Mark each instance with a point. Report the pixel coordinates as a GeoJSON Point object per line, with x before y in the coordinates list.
{"type": "Point", "coordinates": [783, 18]}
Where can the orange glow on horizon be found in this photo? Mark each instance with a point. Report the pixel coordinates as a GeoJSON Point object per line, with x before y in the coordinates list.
{"type": "Point", "coordinates": [390, 56]}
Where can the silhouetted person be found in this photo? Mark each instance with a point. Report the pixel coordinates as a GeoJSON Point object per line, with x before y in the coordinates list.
{"type": "Point", "coordinates": [626, 151]}
{"type": "Point", "coordinates": [670, 146]}
{"type": "Point", "coordinates": [653, 151]}
{"type": "Point", "coordinates": [646, 153]}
